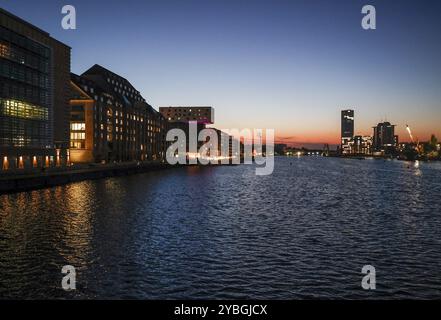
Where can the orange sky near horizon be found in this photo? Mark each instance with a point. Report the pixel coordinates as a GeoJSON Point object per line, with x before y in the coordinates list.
{"type": "Point", "coordinates": [334, 139]}
{"type": "Point", "coordinates": [307, 137]}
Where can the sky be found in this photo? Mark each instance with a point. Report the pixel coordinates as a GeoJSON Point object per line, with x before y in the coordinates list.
{"type": "Point", "coordinates": [286, 65]}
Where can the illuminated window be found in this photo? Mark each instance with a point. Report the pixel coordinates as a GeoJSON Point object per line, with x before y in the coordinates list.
{"type": "Point", "coordinates": [4, 51]}
{"type": "Point", "coordinates": [81, 126]}
{"type": "Point", "coordinates": [77, 145]}
{"type": "Point", "coordinates": [77, 135]}
{"type": "Point", "coordinates": [20, 109]}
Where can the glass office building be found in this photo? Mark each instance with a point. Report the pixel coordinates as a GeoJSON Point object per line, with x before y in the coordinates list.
{"type": "Point", "coordinates": [34, 96]}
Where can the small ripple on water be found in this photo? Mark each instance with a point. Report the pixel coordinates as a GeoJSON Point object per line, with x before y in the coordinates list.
{"type": "Point", "coordinates": [224, 233]}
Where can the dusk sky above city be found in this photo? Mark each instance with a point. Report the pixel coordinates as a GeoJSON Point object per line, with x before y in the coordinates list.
{"type": "Point", "coordinates": [288, 65]}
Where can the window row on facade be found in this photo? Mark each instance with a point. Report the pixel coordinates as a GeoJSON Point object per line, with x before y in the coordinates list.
{"type": "Point", "coordinates": [21, 91]}
{"type": "Point", "coordinates": [14, 71]}
{"type": "Point", "coordinates": [24, 42]}
{"type": "Point", "coordinates": [107, 126]}
{"type": "Point", "coordinates": [23, 57]}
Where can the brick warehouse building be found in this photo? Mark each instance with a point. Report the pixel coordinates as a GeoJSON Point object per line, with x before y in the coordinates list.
{"type": "Point", "coordinates": [34, 96]}
{"type": "Point", "coordinates": [111, 122]}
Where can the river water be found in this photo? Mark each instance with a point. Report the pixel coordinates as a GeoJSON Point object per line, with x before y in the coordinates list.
{"type": "Point", "coordinates": [303, 232]}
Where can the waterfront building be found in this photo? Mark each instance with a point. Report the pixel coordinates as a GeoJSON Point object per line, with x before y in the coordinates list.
{"type": "Point", "coordinates": [280, 148]}
{"type": "Point", "coordinates": [361, 145]}
{"type": "Point", "coordinates": [227, 150]}
{"type": "Point", "coordinates": [384, 139]}
{"type": "Point", "coordinates": [201, 115]}
{"type": "Point", "coordinates": [347, 130]}
{"type": "Point", "coordinates": [34, 96]}
{"type": "Point", "coordinates": [111, 122]}
{"type": "Point", "coordinates": [180, 118]}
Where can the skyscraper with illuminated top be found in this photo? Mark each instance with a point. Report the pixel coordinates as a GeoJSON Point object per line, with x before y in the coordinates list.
{"type": "Point", "coordinates": [347, 130]}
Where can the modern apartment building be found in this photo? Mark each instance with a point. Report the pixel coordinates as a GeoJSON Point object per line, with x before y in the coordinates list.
{"type": "Point", "coordinates": [361, 145]}
{"type": "Point", "coordinates": [34, 96]}
{"type": "Point", "coordinates": [385, 139]}
{"type": "Point", "coordinates": [201, 115]}
{"type": "Point", "coordinates": [111, 122]}
{"type": "Point", "coordinates": [180, 117]}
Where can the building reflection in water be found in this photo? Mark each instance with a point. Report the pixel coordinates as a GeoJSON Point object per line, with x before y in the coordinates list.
{"type": "Point", "coordinates": [192, 232]}
{"type": "Point", "coordinates": [76, 222]}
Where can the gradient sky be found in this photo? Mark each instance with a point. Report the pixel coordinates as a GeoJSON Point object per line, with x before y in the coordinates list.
{"type": "Point", "coordinates": [288, 65]}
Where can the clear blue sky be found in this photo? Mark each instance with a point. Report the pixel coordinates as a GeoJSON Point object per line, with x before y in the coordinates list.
{"type": "Point", "coordinates": [289, 65]}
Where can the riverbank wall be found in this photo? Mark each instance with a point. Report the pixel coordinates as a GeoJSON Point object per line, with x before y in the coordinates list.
{"type": "Point", "coordinates": [39, 180]}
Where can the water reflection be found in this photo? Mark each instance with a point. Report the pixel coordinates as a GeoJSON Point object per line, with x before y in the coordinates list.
{"type": "Point", "coordinates": [223, 232]}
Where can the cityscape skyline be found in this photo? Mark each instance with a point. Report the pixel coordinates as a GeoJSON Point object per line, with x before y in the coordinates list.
{"type": "Point", "coordinates": [242, 68]}
{"type": "Point", "coordinates": [206, 151]}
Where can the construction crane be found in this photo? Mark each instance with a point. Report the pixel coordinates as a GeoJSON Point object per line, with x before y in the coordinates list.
{"type": "Point", "coordinates": [417, 144]}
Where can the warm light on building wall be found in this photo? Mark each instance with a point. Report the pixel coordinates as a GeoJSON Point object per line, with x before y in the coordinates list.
{"type": "Point", "coordinates": [20, 162]}
{"type": "Point", "coordinates": [34, 161]}
{"type": "Point", "coordinates": [47, 161]}
{"type": "Point", "coordinates": [58, 163]}
{"type": "Point", "coordinates": [68, 157]}
{"type": "Point", "coordinates": [5, 163]}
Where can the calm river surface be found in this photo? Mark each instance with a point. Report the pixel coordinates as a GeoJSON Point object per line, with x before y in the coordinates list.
{"type": "Point", "coordinates": [223, 232]}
